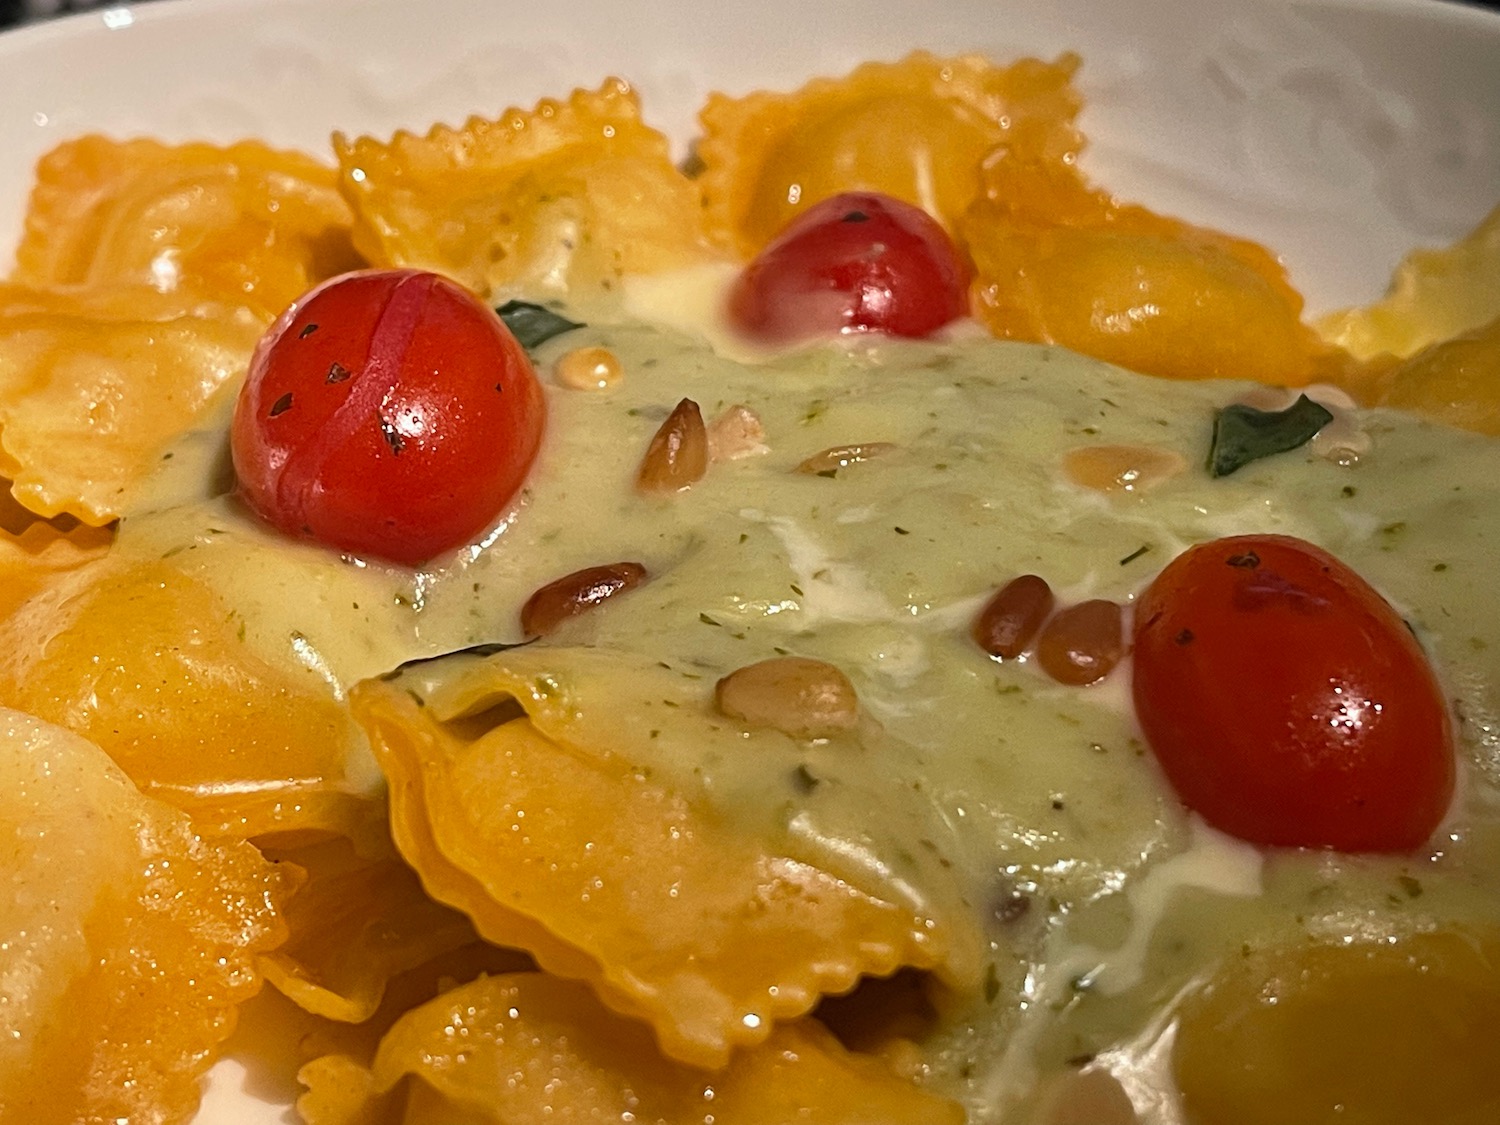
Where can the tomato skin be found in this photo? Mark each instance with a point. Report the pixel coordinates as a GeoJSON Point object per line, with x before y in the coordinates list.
{"type": "Point", "coordinates": [1287, 702]}
{"type": "Point", "coordinates": [856, 262]}
{"type": "Point", "coordinates": [387, 413]}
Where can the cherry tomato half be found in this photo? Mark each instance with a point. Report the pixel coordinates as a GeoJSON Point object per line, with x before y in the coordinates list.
{"type": "Point", "coordinates": [856, 262]}
{"type": "Point", "coordinates": [387, 413]}
{"type": "Point", "coordinates": [1288, 702]}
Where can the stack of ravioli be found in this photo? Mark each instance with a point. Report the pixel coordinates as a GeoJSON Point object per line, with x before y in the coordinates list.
{"type": "Point", "coordinates": [199, 797]}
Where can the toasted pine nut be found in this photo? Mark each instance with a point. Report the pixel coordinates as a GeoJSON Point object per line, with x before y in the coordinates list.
{"type": "Point", "coordinates": [1083, 643]}
{"type": "Point", "coordinates": [678, 454]}
{"type": "Point", "coordinates": [793, 694]}
{"type": "Point", "coordinates": [1011, 618]}
{"type": "Point", "coordinates": [588, 369]}
{"type": "Point", "coordinates": [736, 433]}
{"type": "Point", "coordinates": [1121, 468]}
{"type": "Point", "coordinates": [837, 457]}
{"type": "Point", "coordinates": [577, 593]}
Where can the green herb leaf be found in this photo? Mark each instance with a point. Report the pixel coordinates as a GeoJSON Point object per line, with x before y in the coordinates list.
{"type": "Point", "coordinates": [1243, 434]}
{"type": "Point", "coordinates": [534, 325]}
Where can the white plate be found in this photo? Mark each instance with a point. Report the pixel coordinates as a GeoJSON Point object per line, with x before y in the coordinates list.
{"type": "Point", "coordinates": [1339, 132]}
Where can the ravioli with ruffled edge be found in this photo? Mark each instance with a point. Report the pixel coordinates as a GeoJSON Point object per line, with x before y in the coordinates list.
{"type": "Point", "coordinates": [109, 291]}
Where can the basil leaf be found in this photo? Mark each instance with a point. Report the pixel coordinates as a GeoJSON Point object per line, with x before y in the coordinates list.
{"type": "Point", "coordinates": [533, 325]}
{"type": "Point", "coordinates": [1243, 434]}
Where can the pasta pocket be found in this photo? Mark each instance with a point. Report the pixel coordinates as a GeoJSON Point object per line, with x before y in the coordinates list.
{"type": "Point", "coordinates": [94, 384]}
{"type": "Point", "coordinates": [244, 224]}
{"type": "Point", "coordinates": [1393, 1029]}
{"type": "Point", "coordinates": [527, 1048]}
{"type": "Point", "coordinates": [1432, 344]}
{"type": "Point", "coordinates": [126, 939]}
{"type": "Point", "coordinates": [766, 691]}
{"type": "Point", "coordinates": [1452, 381]}
{"type": "Point", "coordinates": [150, 664]}
{"type": "Point", "coordinates": [565, 198]}
{"type": "Point", "coordinates": [32, 557]}
{"type": "Point", "coordinates": [356, 923]}
{"type": "Point", "coordinates": [1434, 295]}
{"type": "Point", "coordinates": [145, 275]}
{"type": "Point", "coordinates": [1060, 262]}
{"type": "Point", "coordinates": [605, 874]}
{"type": "Point", "coordinates": [917, 129]}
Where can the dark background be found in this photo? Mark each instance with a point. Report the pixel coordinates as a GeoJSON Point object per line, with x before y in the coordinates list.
{"type": "Point", "coordinates": [13, 12]}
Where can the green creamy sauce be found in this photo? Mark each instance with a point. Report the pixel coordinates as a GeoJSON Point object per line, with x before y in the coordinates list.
{"type": "Point", "coordinates": [970, 786]}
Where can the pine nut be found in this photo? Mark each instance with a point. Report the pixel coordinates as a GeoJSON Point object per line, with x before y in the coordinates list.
{"type": "Point", "coordinates": [577, 593]}
{"type": "Point", "coordinates": [678, 454]}
{"type": "Point", "coordinates": [1083, 643]}
{"type": "Point", "coordinates": [1121, 468]}
{"type": "Point", "coordinates": [1009, 621]}
{"type": "Point", "coordinates": [588, 369]}
{"type": "Point", "coordinates": [796, 695]}
{"type": "Point", "coordinates": [736, 433]}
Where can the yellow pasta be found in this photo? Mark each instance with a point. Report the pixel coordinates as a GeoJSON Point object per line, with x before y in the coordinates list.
{"type": "Point", "coordinates": [566, 198]}
{"type": "Point", "coordinates": [94, 384]}
{"type": "Point", "coordinates": [1390, 1032]}
{"type": "Point", "coordinates": [1434, 294]}
{"type": "Point", "coordinates": [33, 553]}
{"type": "Point", "coordinates": [355, 924]}
{"type": "Point", "coordinates": [605, 875]}
{"type": "Point", "coordinates": [150, 664]}
{"type": "Point", "coordinates": [1060, 262]}
{"type": "Point", "coordinates": [128, 939]}
{"type": "Point", "coordinates": [526, 1049]}
{"type": "Point", "coordinates": [1453, 381]}
{"type": "Point", "coordinates": [145, 275]}
{"type": "Point", "coordinates": [573, 926]}
{"type": "Point", "coordinates": [918, 130]}
{"type": "Point", "coordinates": [241, 225]}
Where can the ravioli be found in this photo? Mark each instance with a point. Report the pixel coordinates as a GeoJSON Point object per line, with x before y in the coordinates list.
{"type": "Point", "coordinates": [1386, 1032]}
{"type": "Point", "coordinates": [565, 198]}
{"type": "Point", "coordinates": [1432, 344]}
{"type": "Point", "coordinates": [355, 924]}
{"type": "Point", "coordinates": [94, 384]}
{"type": "Point", "coordinates": [243, 224]}
{"type": "Point", "coordinates": [530, 786]}
{"type": "Point", "coordinates": [604, 876]}
{"type": "Point", "coordinates": [918, 129]}
{"type": "Point", "coordinates": [145, 275]}
{"type": "Point", "coordinates": [127, 940]}
{"type": "Point", "coordinates": [151, 665]}
{"type": "Point", "coordinates": [1435, 294]}
{"type": "Point", "coordinates": [36, 553]}
{"type": "Point", "coordinates": [1452, 380]}
{"type": "Point", "coordinates": [992, 153]}
{"type": "Point", "coordinates": [527, 1048]}
{"type": "Point", "coordinates": [619, 888]}
{"type": "Point", "coordinates": [1060, 262]}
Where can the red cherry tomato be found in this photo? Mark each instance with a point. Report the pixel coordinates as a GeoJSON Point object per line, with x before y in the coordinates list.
{"type": "Point", "coordinates": [857, 262]}
{"type": "Point", "coordinates": [1288, 702]}
{"type": "Point", "coordinates": [387, 413]}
